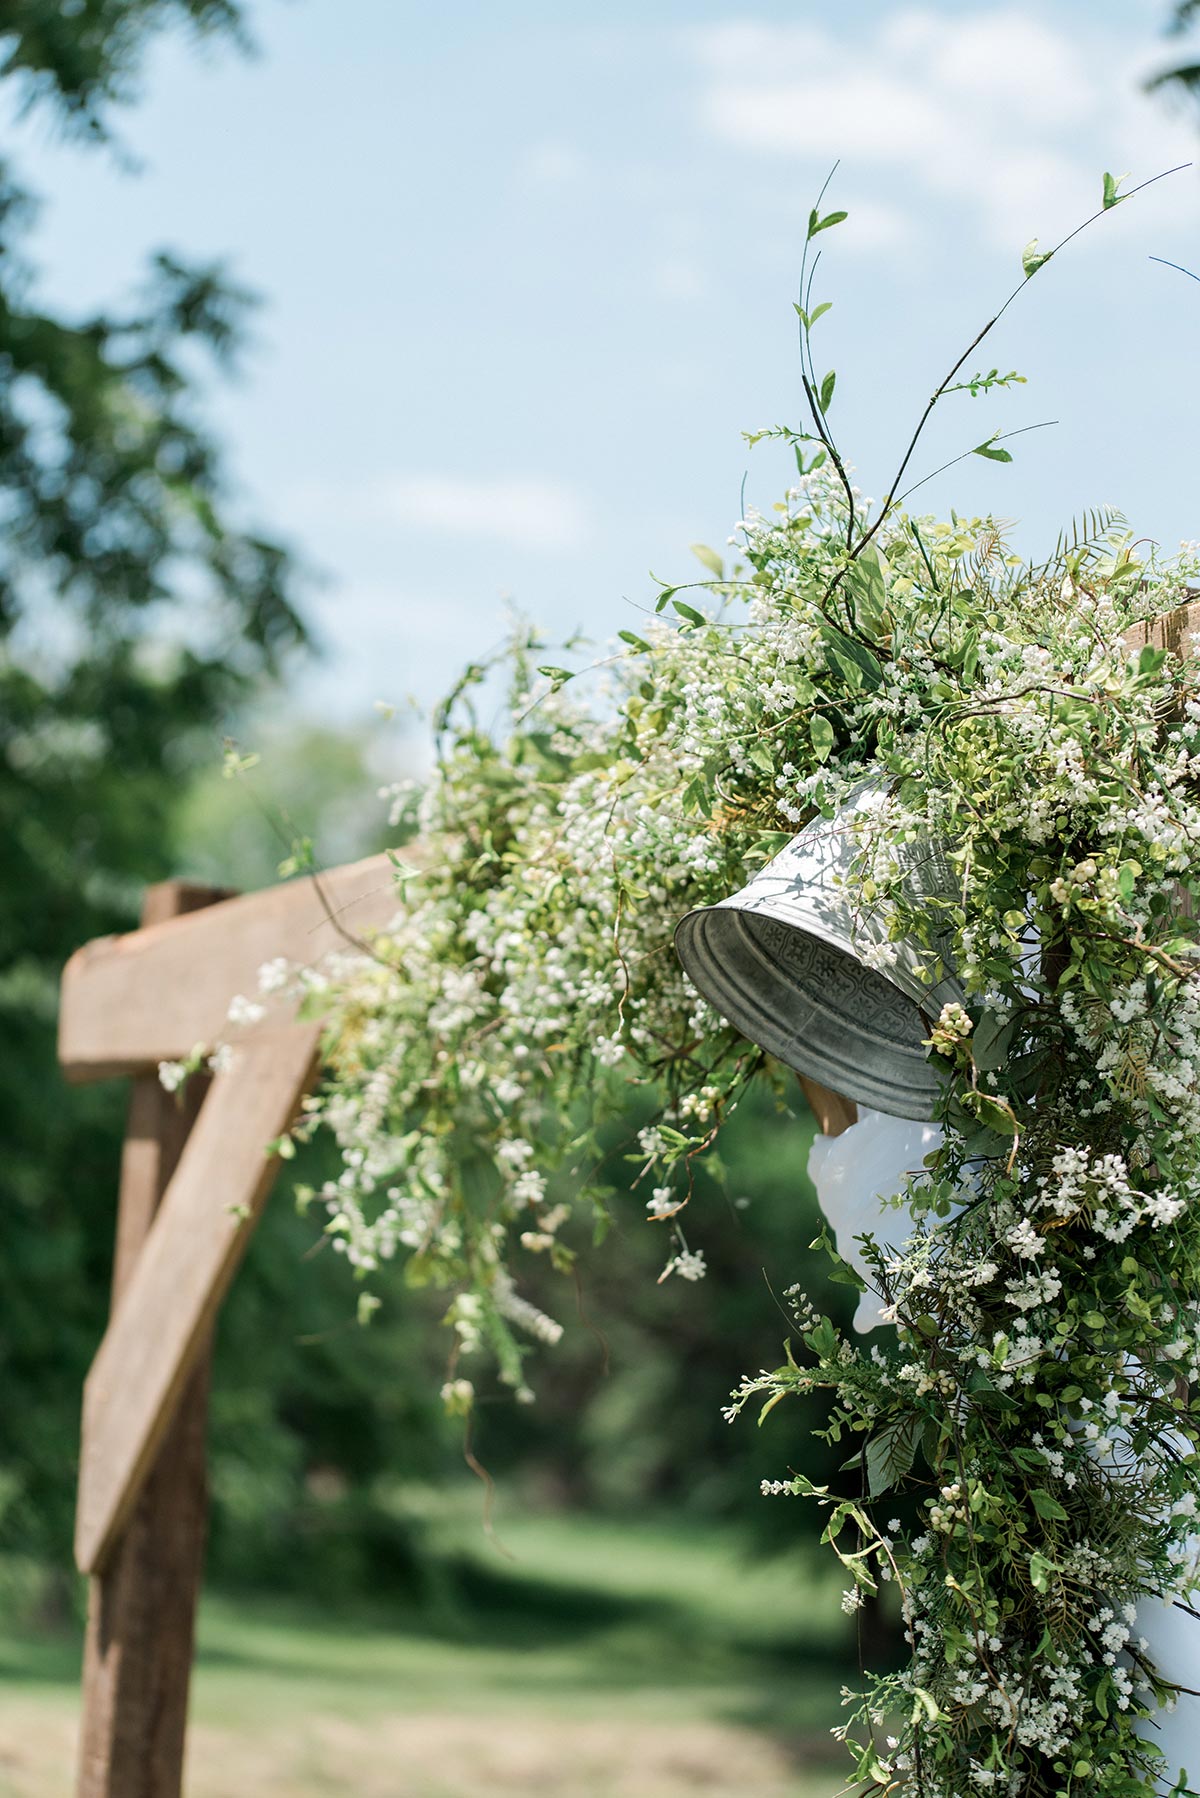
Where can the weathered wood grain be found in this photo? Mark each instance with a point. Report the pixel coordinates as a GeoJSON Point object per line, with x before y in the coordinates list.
{"type": "Point", "coordinates": [137, 1654]}
{"type": "Point", "coordinates": [1172, 631]}
{"type": "Point", "coordinates": [162, 1319]}
{"type": "Point", "coordinates": [129, 1002]}
{"type": "Point", "coordinates": [834, 1112]}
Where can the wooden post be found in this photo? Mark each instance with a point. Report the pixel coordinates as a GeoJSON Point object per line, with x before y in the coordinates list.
{"type": "Point", "coordinates": [142, 1605]}
{"type": "Point", "coordinates": [834, 1112]}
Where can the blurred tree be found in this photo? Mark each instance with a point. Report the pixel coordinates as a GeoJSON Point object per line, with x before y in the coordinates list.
{"type": "Point", "coordinates": [88, 54]}
{"type": "Point", "coordinates": [1182, 75]}
{"type": "Point", "coordinates": [629, 1411]}
{"type": "Point", "coordinates": [312, 781]}
{"type": "Point", "coordinates": [134, 612]}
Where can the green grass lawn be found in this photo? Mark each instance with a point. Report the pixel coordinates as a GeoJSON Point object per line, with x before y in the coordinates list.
{"type": "Point", "coordinates": [593, 1659]}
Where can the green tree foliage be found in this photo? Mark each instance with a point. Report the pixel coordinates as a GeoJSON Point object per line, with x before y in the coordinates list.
{"type": "Point", "coordinates": [1183, 75]}
{"type": "Point", "coordinates": [85, 56]}
{"type": "Point", "coordinates": [134, 612]}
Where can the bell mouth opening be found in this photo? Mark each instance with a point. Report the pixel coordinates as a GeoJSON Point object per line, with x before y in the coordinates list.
{"type": "Point", "coordinates": [813, 1006]}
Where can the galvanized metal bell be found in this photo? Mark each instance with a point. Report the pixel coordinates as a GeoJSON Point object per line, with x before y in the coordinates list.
{"type": "Point", "coordinates": [801, 963]}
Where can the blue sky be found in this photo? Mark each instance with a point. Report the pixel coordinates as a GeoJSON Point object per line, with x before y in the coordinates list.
{"type": "Point", "coordinates": [528, 272]}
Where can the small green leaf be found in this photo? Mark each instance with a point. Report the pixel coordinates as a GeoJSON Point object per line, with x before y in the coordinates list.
{"type": "Point", "coordinates": [827, 387]}
{"type": "Point", "coordinates": [1112, 197]}
{"type": "Point", "coordinates": [816, 224]}
{"type": "Point", "coordinates": [995, 1114]}
{"type": "Point", "coordinates": [821, 734]}
{"type": "Point", "coordinates": [1127, 879]}
{"type": "Point", "coordinates": [234, 764]}
{"type": "Point", "coordinates": [689, 613]}
{"type": "Point", "coordinates": [1032, 259]}
{"type": "Point", "coordinates": [890, 1453]}
{"type": "Point", "coordinates": [710, 559]}
{"type": "Point", "coordinates": [1046, 1506]}
{"type": "Point", "coordinates": [822, 1338]}
{"type": "Point", "coordinates": [302, 860]}
{"type": "Point", "coordinates": [818, 311]}
{"type": "Point", "coordinates": [803, 1487]}
{"type": "Point", "coordinates": [1040, 1570]}
{"type": "Point", "coordinates": [558, 675]}
{"type": "Point", "coordinates": [990, 450]}
{"type": "Point", "coordinates": [926, 1701]}
{"type": "Point", "coordinates": [634, 641]}
{"type": "Point", "coordinates": [992, 1039]}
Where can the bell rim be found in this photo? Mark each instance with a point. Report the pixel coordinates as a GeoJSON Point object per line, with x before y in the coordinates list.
{"type": "Point", "coordinates": [916, 1103]}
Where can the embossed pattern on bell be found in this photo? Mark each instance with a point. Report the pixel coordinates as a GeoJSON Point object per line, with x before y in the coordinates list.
{"type": "Point", "coordinates": [803, 967]}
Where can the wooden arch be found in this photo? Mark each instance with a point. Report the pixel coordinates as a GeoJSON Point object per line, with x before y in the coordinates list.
{"type": "Point", "coordinates": [194, 1179]}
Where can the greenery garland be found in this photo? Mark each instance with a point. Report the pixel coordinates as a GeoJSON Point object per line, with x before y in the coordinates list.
{"type": "Point", "coordinates": [1031, 1414]}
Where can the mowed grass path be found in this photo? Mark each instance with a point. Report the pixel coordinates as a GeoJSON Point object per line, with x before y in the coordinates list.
{"type": "Point", "coordinates": [633, 1660]}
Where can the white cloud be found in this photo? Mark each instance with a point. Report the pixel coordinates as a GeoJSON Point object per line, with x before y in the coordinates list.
{"type": "Point", "coordinates": [744, 43]}
{"type": "Point", "coordinates": [1017, 63]}
{"type": "Point", "coordinates": [525, 512]}
{"type": "Point", "coordinates": [995, 108]}
{"type": "Point", "coordinates": [879, 116]}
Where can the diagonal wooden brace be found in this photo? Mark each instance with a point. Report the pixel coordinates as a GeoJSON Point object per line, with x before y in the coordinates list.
{"type": "Point", "coordinates": [170, 1301]}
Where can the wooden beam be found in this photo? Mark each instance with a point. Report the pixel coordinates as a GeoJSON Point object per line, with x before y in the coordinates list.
{"type": "Point", "coordinates": [1173, 631]}
{"type": "Point", "coordinates": [141, 1614]}
{"type": "Point", "coordinates": [161, 1323]}
{"type": "Point", "coordinates": [834, 1112]}
{"type": "Point", "coordinates": [129, 1002]}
